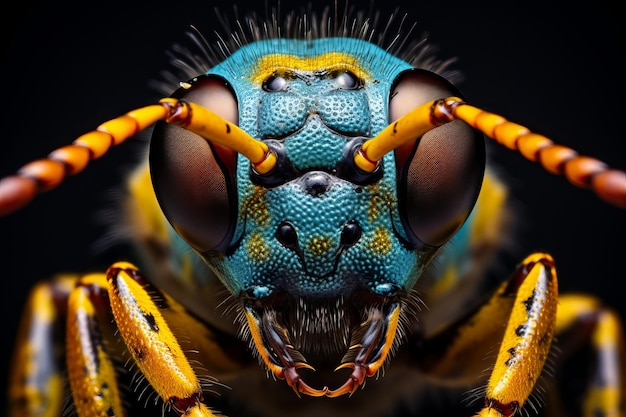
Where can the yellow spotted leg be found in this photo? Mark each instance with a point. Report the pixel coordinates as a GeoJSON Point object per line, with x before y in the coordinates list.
{"type": "Point", "coordinates": [527, 337]}
{"type": "Point", "coordinates": [36, 380]}
{"type": "Point", "coordinates": [520, 318]}
{"type": "Point", "coordinates": [151, 343]}
{"type": "Point", "coordinates": [90, 370]}
{"type": "Point", "coordinates": [606, 393]}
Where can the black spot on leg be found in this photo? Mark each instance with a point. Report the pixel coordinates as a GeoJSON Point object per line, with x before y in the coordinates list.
{"type": "Point", "coordinates": [528, 303]}
{"type": "Point", "coordinates": [513, 355]}
{"type": "Point", "coordinates": [227, 128]}
{"type": "Point", "coordinates": [521, 330]}
{"type": "Point", "coordinates": [139, 355]}
{"type": "Point", "coordinates": [93, 334]}
{"type": "Point", "coordinates": [151, 322]}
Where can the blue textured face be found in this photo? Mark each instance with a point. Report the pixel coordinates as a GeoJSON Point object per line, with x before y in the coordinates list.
{"type": "Point", "coordinates": [317, 233]}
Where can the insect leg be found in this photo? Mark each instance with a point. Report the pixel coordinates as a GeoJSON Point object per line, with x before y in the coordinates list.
{"type": "Point", "coordinates": [151, 343]}
{"type": "Point", "coordinates": [90, 369]}
{"type": "Point", "coordinates": [527, 337]}
{"type": "Point", "coordinates": [583, 320]}
{"type": "Point", "coordinates": [37, 382]}
{"type": "Point", "coordinates": [526, 304]}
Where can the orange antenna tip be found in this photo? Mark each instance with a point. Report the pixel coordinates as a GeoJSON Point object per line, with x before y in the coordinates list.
{"type": "Point", "coordinates": [16, 192]}
{"type": "Point", "coordinates": [610, 185]}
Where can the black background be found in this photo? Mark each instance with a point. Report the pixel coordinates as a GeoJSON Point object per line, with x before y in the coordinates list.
{"type": "Point", "coordinates": [67, 68]}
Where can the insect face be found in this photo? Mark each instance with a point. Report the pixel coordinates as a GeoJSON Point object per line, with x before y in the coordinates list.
{"type": "Point", "coordinates": [317, 240]}
{"type": "Point", "coordinates": [319, 255]}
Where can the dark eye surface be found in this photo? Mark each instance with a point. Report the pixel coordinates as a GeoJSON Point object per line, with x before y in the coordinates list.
{"type": "Point", "coordinates": [192, 178]}
{"type": "Point", "coordinates": [286, 234]}
{"type": "Point", "coordinates": [276, 82]}
{"type": "Point", "coordinates": [440, 173]}
{"type": "Point", "coordinates": [346, 80]}
{"type": "Point", "coordinates": [350, 234]}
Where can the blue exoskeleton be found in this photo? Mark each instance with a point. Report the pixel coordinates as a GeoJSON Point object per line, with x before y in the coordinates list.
{"type": "Point", "coordinates": [315, 194]}
{"type": "Point", "coordinates": [317, 233]}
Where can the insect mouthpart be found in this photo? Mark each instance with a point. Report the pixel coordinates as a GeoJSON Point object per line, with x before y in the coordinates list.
{"type": "Point", "coordinates": [357, 332]}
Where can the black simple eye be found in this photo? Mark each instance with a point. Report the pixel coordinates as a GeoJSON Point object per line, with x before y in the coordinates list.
{"type": "Point", "coordinates": [350, 234]}
{"type": "Point", "coordinates": [275, 82]}
{"type": "Point", "coordinates": [286, 234]}
{"type": "Point", "coordinates": [346, 80]}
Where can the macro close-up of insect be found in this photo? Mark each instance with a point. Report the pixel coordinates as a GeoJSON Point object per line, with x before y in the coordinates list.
{"type": "Point", "coordinates": [298, 209]}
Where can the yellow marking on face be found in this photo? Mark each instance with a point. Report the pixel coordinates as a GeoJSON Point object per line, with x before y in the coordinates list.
{"type": "Point", "coordinates": [380, 242]}
{"type": "Point", "coordinates": [381, 202]}
{"type": "Point", "coordinates": [328, 62]}
{"type": "Point", "coordinates": [256, 247]}
{"type": "Point", "coordinates": [374, 208]}
{"type": "Point", "coordinates": [320, 245]}
{"type": "Point", "coordinates": [255, 206]}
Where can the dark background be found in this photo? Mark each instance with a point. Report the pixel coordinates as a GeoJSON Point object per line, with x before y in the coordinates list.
{"type": "Point", "coordinates": [67, 68]}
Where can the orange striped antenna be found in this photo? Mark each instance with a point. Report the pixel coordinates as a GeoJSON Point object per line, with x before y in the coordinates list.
{"type": "Point", "coordinates": [47, 173]}
{"type": "Point", "coordinates": [583, 171]}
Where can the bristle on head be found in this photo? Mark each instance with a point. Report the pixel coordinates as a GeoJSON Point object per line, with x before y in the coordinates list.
{"type": "Point", "coordinates": [396, 34]}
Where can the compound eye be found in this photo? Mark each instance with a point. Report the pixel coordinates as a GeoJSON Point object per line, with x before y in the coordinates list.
{"type": "Point", "coordinates": [275, 82]}
{"type": "Point", "coordinates": [346, 80]}
{"type": "Point", "coordinates": [194, 179]}
{"type": "Point", "coordinates": [439, 174]}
